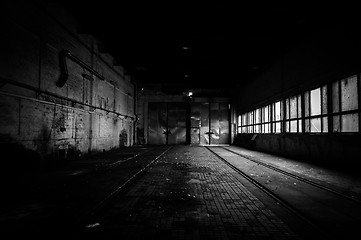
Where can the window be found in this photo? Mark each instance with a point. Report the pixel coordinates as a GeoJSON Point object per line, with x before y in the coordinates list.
{"type": "Point", "coordinates": [276, 117]}
{"type": "Point", "coordinates": [333, 107]}
{"type": "Point", "coordinates": [293, 117]}
{"type": "Point", "coordinates": [266, 125]}
{"type": "Point", "coordinates": [316, 119]}
{"type": "Point", "coordinates": [345, 107]}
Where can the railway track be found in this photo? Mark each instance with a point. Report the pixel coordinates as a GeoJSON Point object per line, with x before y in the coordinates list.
{"type": "Point", "coordinates": [88, 215]}
{"type": "Point", "coordinates": [334, 214]}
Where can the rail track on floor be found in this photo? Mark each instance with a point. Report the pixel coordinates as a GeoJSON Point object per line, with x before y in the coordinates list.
{"type": "Point", "coordinates": [155, 154]}
{"type": "Point", "coordinates": [338, 213]}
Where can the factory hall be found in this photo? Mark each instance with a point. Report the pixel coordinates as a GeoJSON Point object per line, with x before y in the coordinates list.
{"type": "Point", "coordinates": [131, 120]}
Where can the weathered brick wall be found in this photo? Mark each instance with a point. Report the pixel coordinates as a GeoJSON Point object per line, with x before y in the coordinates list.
{"type": "Point", "coordinates": [85, 115]}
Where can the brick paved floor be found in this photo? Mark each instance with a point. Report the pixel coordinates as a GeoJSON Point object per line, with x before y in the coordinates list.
{"type": "Point", "coordinates": [188, 194]}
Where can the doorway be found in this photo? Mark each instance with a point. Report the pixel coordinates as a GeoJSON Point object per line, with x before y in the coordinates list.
{"type": "Point", "coordinates": [209, 123]}
{"type": "Point", "coordinates": [166, 123]}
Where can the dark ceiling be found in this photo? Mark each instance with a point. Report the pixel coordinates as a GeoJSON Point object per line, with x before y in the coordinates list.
{"type": "Point", "coordinates": [199, 46]}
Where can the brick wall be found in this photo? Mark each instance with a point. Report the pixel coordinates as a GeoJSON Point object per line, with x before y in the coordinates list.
{"type": "Point", "coordinates": [87, 114]}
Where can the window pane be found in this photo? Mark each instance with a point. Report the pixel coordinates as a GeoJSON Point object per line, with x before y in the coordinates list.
{"type": "Point", "coordinates": [250, 118]}
{"type": "Point", "coordinates": [250, 129]}
{"type": "Point", "coordinates": [294, 126]}
{"type": "Point", "coordinates": [349, 93]}
{"type": "Point", "coordinates": [287, 108]}
{"type": "Point", "coordinates": [299, 126]}
{"type": "Point", "coordinates": [278, 127]}
{"type": "Point", "coordinates": [267, 128]}
{"type": "Point", "coordinates": [239, 120]}
{"type": "Point", "coordinates": [258, 115]}
{"type": "Point", "coordinates": [293, 107]}
{"type": "Point", "coordinates": [336, 124]}
{"type": "Point", "coordinates": [335, 97]}
{"type": "Point", "coordinates": [325, 124]}
{"type": "Point", "coordinates": [278, 110]}
{"type": "Point", "coordinates": [266, 112]}
{"type": "Point", "coordinates": [350, 122]}
{"type": "Point", "coordinates": [244, 119]}
{"type": "Point", "coordinates": [307, 104]}
{"type": "Point", "coordinates": [256, 129]}
{"type": "Point", "coordinates": [315, 96]}
{"type": "Point", "coordinates": [299, 106]}
{"type": "Point", "coordinates": [307, 125]}
{"type": "Point", "coordinates": [287, 126]}
{"type": "Point", "coordinates": [316, 125]}
{"type": "Point", "coordinates": [324, 100]}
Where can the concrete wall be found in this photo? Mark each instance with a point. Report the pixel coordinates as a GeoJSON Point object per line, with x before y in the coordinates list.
{"type": "Point", "coordinates": [38, 117]}
{"type": "Point", "coordinates": [326, 56]}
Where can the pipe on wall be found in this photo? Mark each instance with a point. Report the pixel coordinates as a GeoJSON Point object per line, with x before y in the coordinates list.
{"type": "Point", "coordinates": [64, 68]}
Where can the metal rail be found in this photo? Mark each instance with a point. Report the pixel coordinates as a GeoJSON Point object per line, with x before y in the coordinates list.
{"type": "Point", "coordinates": [305, 180]}
{"type": "Point", "coordinates": [271, 194]}
{"type": "Point", "coordinates": [116, 191]}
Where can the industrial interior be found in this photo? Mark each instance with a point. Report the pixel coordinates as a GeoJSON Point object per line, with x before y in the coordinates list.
{"type": "Point", "coordinates": [147, 121]}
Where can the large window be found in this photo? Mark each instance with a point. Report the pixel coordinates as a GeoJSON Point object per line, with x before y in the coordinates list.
{"type": "Point", "coordinates": [345, 105]}
{"type": "Point", "coordinates": [316, 119]}
{"type": "Point", "coordinates": [333, 107]}
{"type": "Point", "coordinates": [277, 117]}
{"type": "Point", "coordinates": [293, 114]}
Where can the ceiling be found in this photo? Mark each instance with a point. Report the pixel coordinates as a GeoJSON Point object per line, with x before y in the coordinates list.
{"type": "Point", "coordinates": [192, 46]}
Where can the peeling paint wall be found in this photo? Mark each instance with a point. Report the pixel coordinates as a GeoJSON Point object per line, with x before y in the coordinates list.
{"type": "Point", "coordinates": [85, 115]}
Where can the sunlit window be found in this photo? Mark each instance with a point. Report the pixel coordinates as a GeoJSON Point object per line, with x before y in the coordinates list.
{"type": "Point", "coordinates": [266, 125]}
{"type": "Point", "coordinates": [293, 121]}
{"type": "Point", "coordinates": [345, 105]}
{"type": "Point", "coordinates": [333, 107]}
{"type": "Point", "coordinates": [276, 117]}
{"type": "Point", "coordinates": [316, 120]}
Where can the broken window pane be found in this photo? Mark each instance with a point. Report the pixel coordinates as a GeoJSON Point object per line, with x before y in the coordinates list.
{"type": "Point", "coordinates": [315, 100]}
{"type": "Point", "coordinates": [324, 100]}
{"type": "Point", "coordinates": [350, 122]}
{"type": "Point", "coordinates": [294, 126]}
{"type": "Point", "coordinates": [315, 125]}
{"type": "Point", "coordinates": [336, 124]}
{"type": "Point", "coordinates": [349, 97]}
{"type": "Point", "coordinates": [335, 97]}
